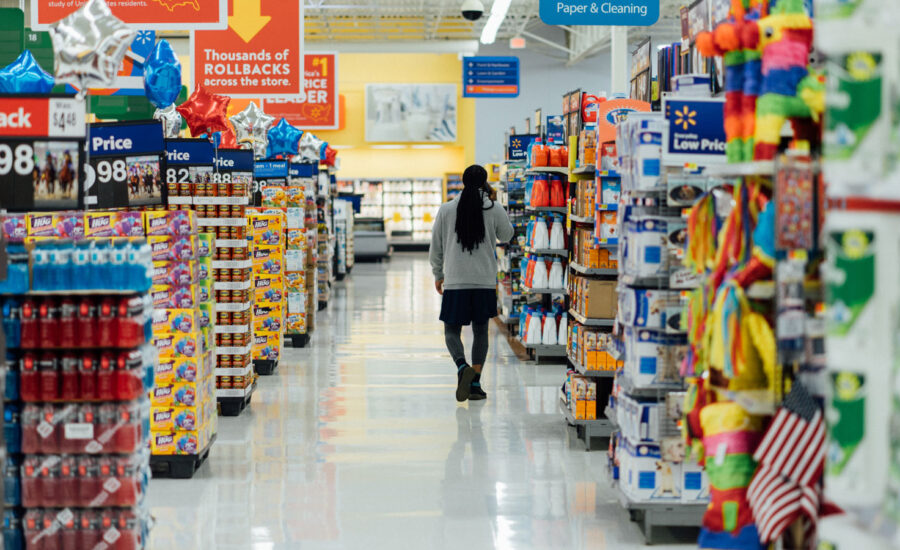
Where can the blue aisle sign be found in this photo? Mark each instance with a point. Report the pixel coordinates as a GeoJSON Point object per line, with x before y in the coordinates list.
{"type": "Point", "coordinates": [517, 146]}
{"type": "Point", "coordinates": [490, 76]}
{"type": "Point", "coordinates": [695, 132]}
{"type": "Point", "coordinates": [126, 165]}
{"type": "Point", "coordinates": [264, 169]}
{"type": "Point", "coordinates": [626, 13]}
{"type": "Point", "coordinates": [234, 160]}
{"type": "Point", "coordinates": [193, 152]}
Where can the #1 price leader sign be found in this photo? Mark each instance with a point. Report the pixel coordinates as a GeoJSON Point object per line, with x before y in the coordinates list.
{"type": "Point", "coordinates": [260, 54]}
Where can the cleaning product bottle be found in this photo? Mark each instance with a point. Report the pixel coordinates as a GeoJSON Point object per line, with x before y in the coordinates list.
{"type": "Point", "coordinates": [529, 185]}
{"type": "Point", "coordinates": [540, 276]}
{"type": "Point", "coordinates": [555, 278]}
{"type": "Point", "coordinates": [540, 191]}
{"type": "Point", "coordinates": [563, 332]}
{"type": "Point", "coordinates": [541, 234]}
{"type": "Point", "coordinates": [549, 337]}
{"type": "Point", "coordinates": [534, 329]}
{"type": "Point", "coordinates": [557, 234]}
{"type": "Point", "coordinates": [557, 192]}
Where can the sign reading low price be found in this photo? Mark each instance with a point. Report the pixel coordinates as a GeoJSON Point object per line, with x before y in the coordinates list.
{"type": "Point", "coordinates": [41, 152]}
{"type": "Point", "coordinates": [695, 132]}
{"type": "Point", "coordinates": [626, 13]}
{"type": "Point", "coordinates": [126, 165]}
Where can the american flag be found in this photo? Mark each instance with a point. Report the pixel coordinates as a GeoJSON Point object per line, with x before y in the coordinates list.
{"type": "Point", "coordinates": [791, 458]}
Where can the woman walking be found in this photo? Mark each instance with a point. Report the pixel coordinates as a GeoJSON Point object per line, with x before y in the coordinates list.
{"type": "Point", "coordinates": [464, 264]}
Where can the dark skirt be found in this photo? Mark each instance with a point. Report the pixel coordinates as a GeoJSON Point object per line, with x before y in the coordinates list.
{"type": "Point", "coordinates": [470, 305]}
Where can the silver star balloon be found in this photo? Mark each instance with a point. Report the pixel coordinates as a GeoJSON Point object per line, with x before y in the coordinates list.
{"type": "Point", "coordinates": [89, 45]}
{"type": "Point", "coordinates": [171, 121]}
{"type": "Point", "coordinates": [310, 147]}
{"type": "Point", "coordinates": [251, 127]}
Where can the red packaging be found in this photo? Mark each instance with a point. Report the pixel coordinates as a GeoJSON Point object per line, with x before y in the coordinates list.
{"type": "Point", "coordinates": [29, 335]}
{"type": "Point", "coordinates": [51, 533]}
{"type": "Point", "coordinates": [47, 430]}
{"type": "Point", "coordinates": [128, 486]}
{"type": "Point", "coordinates": [70, 386]}
{"type": "Point", "coordinates": [68, 534]}
{"type": "Point", "coordinates": [557, 193]}
{"type": "Point", "coordinates": [50, 486]}
{"type": "Point", "coordinates": [29, 379]}
{"type": "Point", "coordinates": [68, 337]}
{"type": "Point", "coordinates": [32, 495]}
{"type": "Point", "coordinates": [106, 384]}
{"type": "Point", "coordinates": [81, 438]}
{"type": "Point", "coordinates": [106, 520]}
{"type": "Point", "coordinates": [105, 430]}
{"type": "Point", "coordinates": [48, 369]}
{"type": "Point", "coordinates": [129, 385]}
{"type": "Point", "coordinates": [67, 484]}
{"type": "Point", "coordinates": [540, 191]}
{"type": "Point", "coordinates": [48, 323]}
{"type": "Point", "coordinates": [129, 531]}
{"type": "Point", "coordinates": [31, 418]}
{"type": "Point", "coordinates": [106, 323]}
{"type": "Point", "coordinates": [130, 333]}
{"type": "Point", "coordinates": [129, 431]}
{"type": "Point", "coordinates": [106, 467]}
{"type": "Point", "coordinates": [90, 534]}
{"type": "Point", "coordinates": [86, 323]}
{"type": "Point", "coordinates": [90, 484]}
{"type": "Point", "coordinates": [32, 524]}
{"type": "Point", "coordinates": [87, 376]}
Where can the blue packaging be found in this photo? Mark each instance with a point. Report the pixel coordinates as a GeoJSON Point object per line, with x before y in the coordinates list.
{"type": "Point", "coordinates": [99, 267]}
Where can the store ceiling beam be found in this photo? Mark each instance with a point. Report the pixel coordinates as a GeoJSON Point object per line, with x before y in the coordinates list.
{"type": "Point", "coordinates": [543, 40]}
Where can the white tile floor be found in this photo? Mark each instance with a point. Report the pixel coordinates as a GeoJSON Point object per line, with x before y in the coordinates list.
{"type": "Point", "coordinates": [357, 442]}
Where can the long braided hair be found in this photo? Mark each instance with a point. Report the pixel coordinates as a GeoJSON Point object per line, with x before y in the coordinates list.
{"type": "Point", "coordinates": [470, 210]}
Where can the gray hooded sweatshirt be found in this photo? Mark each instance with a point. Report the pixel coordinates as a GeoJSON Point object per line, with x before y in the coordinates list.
{"type": "Point", "coordinates": [464, 270]}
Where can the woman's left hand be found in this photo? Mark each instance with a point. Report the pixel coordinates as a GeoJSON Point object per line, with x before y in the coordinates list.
{"type": "Point", "coordinates": [439, 286]}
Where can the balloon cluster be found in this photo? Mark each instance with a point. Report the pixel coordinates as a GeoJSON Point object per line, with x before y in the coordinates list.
{"type": "Point", "coordinates": [162, 84]}
{"type": "Point", "coordinates": [251, 129]}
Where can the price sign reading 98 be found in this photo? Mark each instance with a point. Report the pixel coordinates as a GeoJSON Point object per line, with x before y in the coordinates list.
{"type": "Point", "coordinates": [39, 174]}
{"type": "Point", "coordinates": [18, 158]}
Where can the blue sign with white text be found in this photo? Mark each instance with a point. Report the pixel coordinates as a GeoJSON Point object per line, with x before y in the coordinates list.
{"type": "Point", "coordinates": [556, 130]}
{"type": "Point", "coordinates": [126, 165]}
{"type": "Point", "coordinates": [490, 76]}
{"type": "Point", "coordinates": [304, 169]}
{"type": "Point", "coordinates": [270, 169]}
{"type": "Point", "coordinates": [625, 13]}
{"type": "Point", "coordinates": [696, 131]}
{"type": "Point", "coordinates": [517, 146]}
{"type": "Point", "coordinates": [126, 138]}
{"type": "Point", "coordinates": [234, 160]}
{"type": "Point", "coordinates": [190, 151]}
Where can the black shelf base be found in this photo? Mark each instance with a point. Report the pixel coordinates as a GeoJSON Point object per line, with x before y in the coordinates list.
{"type": "Point", "coordinates": [297, 340]}
{"type": "Point", "coordinates": [234, 406]}
{"type": "Point", "coordinates": [179, 466]}
{"type": "Point", "coordinates": [265, 367]}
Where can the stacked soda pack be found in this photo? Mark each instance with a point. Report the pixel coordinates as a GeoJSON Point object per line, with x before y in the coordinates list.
{"type": "Point", "coordinates": [77, 321]}
{"type": "Point", "coordinates": [183, 406]}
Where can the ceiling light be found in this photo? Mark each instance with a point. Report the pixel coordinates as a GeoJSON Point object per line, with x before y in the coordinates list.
{"type": "Point", "coordinates": [517, 43]}
{"type": "Point", "coordinates": [389, 146]}
{"type": "Point", "coordinates": [427, 146]}
{"type": "Point", "coordinates": [498, 14]}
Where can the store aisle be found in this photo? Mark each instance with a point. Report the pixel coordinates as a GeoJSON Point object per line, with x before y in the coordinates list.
{"type": "Point", "coordinates": [357, 442]}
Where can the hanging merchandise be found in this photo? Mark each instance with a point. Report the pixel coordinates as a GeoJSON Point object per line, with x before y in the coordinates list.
{"type": "Point", "coordinates": [25, 76]}
{"type": "Point", "coordinates": [251, 129]}
{"type": "Point", "coordinates": [162, 75]}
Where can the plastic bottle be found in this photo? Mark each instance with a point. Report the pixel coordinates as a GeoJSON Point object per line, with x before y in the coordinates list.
{"type": "Point", "coordinates": [90, 485]}
{"type": "Point", "coordinates": [118, 265]}
{"type": "Point", "coordinates": [86, 323]}
{"type": "Point", "coordinates": [534, 329]}
{"type": "Point", "coordinates": [62, 266]}
{"type": "Point", "coordinates": [12, 322]}
{"type": "Point", "coordinates": [540, 276]}
{"type": "Point", "coordinates": [81, 265]}
{"type": "Point", "coordinates": [540, 191]}
{"type": "Point", "coordinates": [29, 379]}
{"type": "Point", "coordinates": [557, 192]}
{"type": "Point", "coordinates": [70, 386]}
{"type": "Point", "coordinates": [555, 278]}
{"type": "Point", "coordinates": [106, 323]}
{"type": "Point", "coordinates": [549, 332]}
{"type": "Point", "coordinates": [48, 323]}
{"type": "Point", "coordinates": [99, 267]}
{"type": "Point", "coordinates": [106, 377]}
{"type": "Point", "coordinates": [40, 266]}
{"type": "Point", "coordinates": [563, 333]}
{"type": "Point", "coordinates": [87, 376]}
{"type": "Point", "coordinates": [557, 234]}
{"type": "Point", "coordinates": [49, 376]}
{"type": "Point", "coordinates": [541, 234]}
{"type": "Point", "coordinates": [67, 490]}
{"type": "Point", "coordinates": [68, 337]}
{"type": "Point", "coordinates": [28, 335]}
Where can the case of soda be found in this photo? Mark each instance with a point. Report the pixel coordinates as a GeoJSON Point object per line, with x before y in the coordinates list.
{"type": "Point", "coordinates": [114, 428]}
{"type": "Point", "coordinates": [106, 264]}
{"type": "Point", "coordinates": [108, 528]}
{"type": "Point", "coordinates": [84, 481]}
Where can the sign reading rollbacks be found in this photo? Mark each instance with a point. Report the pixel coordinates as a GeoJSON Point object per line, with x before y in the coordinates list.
{"type": "Point", "coordinates": [696, 130]}
{"type": "Point", "coordinates": [317, 106]}
{"type": "Point", "coordinates": [41, 152]}
{"type": "Point", "coordinates": [160, 15]}
{"type": "Point", "coordinates": [626, 13]}
{"type": "Point", "coordinates": [260, 54]}
{"type": "Point", "coordinates": [127, 164]}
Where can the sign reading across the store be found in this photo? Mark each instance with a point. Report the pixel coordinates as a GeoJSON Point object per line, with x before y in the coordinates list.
{"type": "Point", "coordinates": [161, 15]}
{"type": "Point", "coordinates": [625, 13]}
{"type": "Point", "coordinates": [126, 165]}
{"type": "Point", "coordinates": [260, 54]}
{"type": "Point", "coordinates": [696, 130]}
{"type": "Point", "coordinates": [317, 106]}
{"type": "Point", "coordinates": [517, 146]}
{"type": "Point", "coordinates": [490, 76]}
{"type": "Point", "coordinates": [41, 152]}
{"type": "Point", "coordinates": [189, 163]}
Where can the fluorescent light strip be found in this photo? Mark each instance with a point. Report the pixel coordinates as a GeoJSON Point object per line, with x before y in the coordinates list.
{"type": "Point", "coordinates": [389, 146]}
{"type": "Point", "coordinates": [498, 14]}
{"type": "Point", "coordinates": [427, 146]}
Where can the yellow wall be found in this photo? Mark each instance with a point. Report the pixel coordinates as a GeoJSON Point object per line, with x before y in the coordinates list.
{"type": "Point", "coordinates": [355, 70]}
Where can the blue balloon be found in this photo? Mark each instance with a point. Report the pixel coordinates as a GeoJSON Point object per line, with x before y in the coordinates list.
{"type": "Point", "coordinates": [25, 76]}
{"type": "Point", "coordinates": [284, 139]}
{"type": "Point", "coordinates": [162, 75]}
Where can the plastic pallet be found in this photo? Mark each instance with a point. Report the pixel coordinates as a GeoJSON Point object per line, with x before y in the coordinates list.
{"type": "Point", "coordinates": [179, 466]}
{"type": "Point", "coordinates": [297, 340]}
{"type": "Point", "coordinates": [233, 406]}
{"type": "Point", "coordinates": [265, 367]}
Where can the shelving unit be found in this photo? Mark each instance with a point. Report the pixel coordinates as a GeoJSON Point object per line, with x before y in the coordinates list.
{"type": "Point", "coordinates": [511, 195]}
{"type": "Point", "coordinates": [587, 430]}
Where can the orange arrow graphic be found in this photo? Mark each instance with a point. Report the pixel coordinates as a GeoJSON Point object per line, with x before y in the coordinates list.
{"type": "Point", "coordinates": [248, 19]}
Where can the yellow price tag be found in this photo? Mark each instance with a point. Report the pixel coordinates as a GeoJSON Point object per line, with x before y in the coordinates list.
{"type": "Point", "coordinates": [427, 217]}
{"type": "Point", "coordinates": [397, 217]}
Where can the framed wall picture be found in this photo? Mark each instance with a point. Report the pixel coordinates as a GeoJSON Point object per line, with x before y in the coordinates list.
{"type": "Point", "coordinates": [411, 112]}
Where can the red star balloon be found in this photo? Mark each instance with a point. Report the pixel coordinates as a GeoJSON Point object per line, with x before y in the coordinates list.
{"type": "Point", "coordinates": [204, 112]}
{"type": "Point", "coordinates": [330, 155]}
{"type": "Point", "coordinates": [228, 140]}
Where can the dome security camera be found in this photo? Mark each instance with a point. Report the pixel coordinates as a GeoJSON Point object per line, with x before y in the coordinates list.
{"type": "Point", "coordinates": [472, 9]}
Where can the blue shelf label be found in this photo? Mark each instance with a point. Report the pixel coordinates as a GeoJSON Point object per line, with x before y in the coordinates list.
{"type": "Point", "coordinates": [696, 130]}
{"type": "Point", "coordinates": [490, 76]}
{"type": "Point", "coordinates": [271, 169]}
{"type": "Point", "coordinates": [126, 138]}
{"type": "Point", "coordinates": [190, 151]}
{"type": "Point", "coordinates": [626, 13]}
{"type": "Point", "coordinates": [234, 160]}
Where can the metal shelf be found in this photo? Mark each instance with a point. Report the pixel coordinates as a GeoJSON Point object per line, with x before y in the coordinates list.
{"type": "Point", "coordinates": [547, 170]}
{"type": "Point", "coordinates": [669, 514]}
{"type": "Point", "coordinates": [554, 209]}
{"type": "Point", "coordinates": [548, 251]}
{"type": "Point", "coordinates": [578, 268]}
{"type": "Point", "coordinates": [590, 322]}
{"type": "Point", "coordinates": [581, 369]}
{"type": "Point", "coordinates": [544, 290]}
{"type": "Point", "coordinates": [581, 219]}
{"type": "Point", "coordinates": [587, 169]}
{"type": "Point", "coordinates": [587, 429]}
{"type": "Point", "coordinates": [753, 168]}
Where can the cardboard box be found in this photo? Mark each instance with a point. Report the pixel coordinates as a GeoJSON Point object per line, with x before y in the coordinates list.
{"type": "Point", "coordinates": [590, 405]}
{"type": "Point", "coordinates": [176, 320]}
{"type": "Point", "coordinates": [295, 323]}
{"type": "Point", "coordinates": [268, 317]}
{"type": "Point", "coordinates": [165, 272]}
{"type": "Point", "coordinates": [268, 259]}
{"type": "Point", "coordinates": [181, 443]}
{"type": "Point", "coordinates": [170, 222]}
{"type": "Point", "coordinates": [267, 345]}
{"type": "Point", "coordinates": [296, 239]}
{"type": "Point", "coordinates": [268, 288]}
{"type": "Point", "coordinates": [174, 248]}
{"type": "Point", "coordinates": [171, 370]}
{"type": "Point", "coordinates": [267, 228]}
{"type": "Point", "coordinates": [581, 384]}
{"type": "Point", "coordinates": [180, 418]}
{"type": "Point", "coordinates": [175, 297]}
{"type": "Point", "coordinates": [600, 299]}
{"type": "Point", "coordinates": [179, 345]}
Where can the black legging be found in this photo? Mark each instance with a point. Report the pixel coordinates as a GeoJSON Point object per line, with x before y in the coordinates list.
{"type": "Point", "coordinates": [452, 335]}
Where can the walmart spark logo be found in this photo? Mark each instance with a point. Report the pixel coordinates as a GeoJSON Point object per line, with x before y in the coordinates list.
{"type": "Point", "coordinates": [685, 118]}
{"type": "Point", "coordinates": [516, 143]}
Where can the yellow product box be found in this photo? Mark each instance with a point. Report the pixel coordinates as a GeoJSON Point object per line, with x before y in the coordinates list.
{"type": "Point", "coordinates": [175, 297]}
{"type": "Point", "coordinates": [171, 370]}
{"type": "Point", "coordinates": [167, 272]}
{"type": "Point", "coordinates": [296, 239]}
{"type": "Point", "coordinates": [204, 268]}
{"type": "Point", "coordinates": [590, 401]}
{"type": "Point", "coordinates": [111, 224]}
{"type": "Point", "coordinates": [267, 226]}
{"type": "Point", "coordinates": [295, 281]}
{"type": "Point", "coordinates": [179, 344]}
{"type": "Point", "coordinates": [580, 395]}
{"type": "Point", "coordinates": [64, 225]}
{"type": "Point", "coordinates": [268, 317]}
{"type": "Point", "coordinates": [295, 196]}
{"type": "Point", "coordinates": [295, 323]}
{"type": "Point", "coordinates": [180, 419]}
{"type": "Point", "coordinates": [267, 345]}
{"type": "Point", "coordinates": [268, 288]}
{"type": "Point", "coordinates": [178, 394]}
{"type": "Point", "coordinates": [590, 348]}
{"type": "Point", "coordinates": [273, 196]}
{"type": "Point", "coordinates": [180, 443]}
{"type": "Point", "coordinates": [268, 260]}
{"type": "Point", "coordinates": [176, 320]}
{"type": "Point", "coordinates": [170, 222]}
{"type": "Point", "coordinates": [174, 247]}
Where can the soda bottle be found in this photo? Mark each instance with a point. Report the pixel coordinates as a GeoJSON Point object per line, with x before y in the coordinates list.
{"type": "Point", "coordinates": [129, 531]}
{"type": "Point", "coordinates": [128, 321]}
{"type": "Point", "coordinates": [49, 374]}
{"type": "Point", "coordinates": [32, 494]}
{"type": "Point", "coordinates": [50, 481]}
{"type": "Point", "coordinates": [90, 535]}
{"type": "Point", "coordinates": [106, 385]}
{"type": "Point", "coordinates": [70, 389]}
{"type": "Point", "coordinates": [33, 523]}
{"type": "Point", "coordinates": [31, 418]}
{"type": "Point", "coordinates": [87, 376]}
{"type": "Point", "coordinates": [90, 484]}
{"type": "Point", "coordinates": [129, 384]}
{"type": "Point", "coordinates": [106, 429]}
{"type": "Point", "coordinates": [68, 337]}
{"type": "Point", "coordinates": [48, 442]}
{"type": "Point", "coordinates": [48, 323]}
{"type": "Point", "coordinates": [12, 483]}
{"type": "Point", "coordinates": [86, 325]}
{"type": "Point", "coordinates": [29, 380]}
{"type": "Point", "coordinates": [68, 483]}
{"type": "Point", "coordinates": [12, 323]}
{"type": "Point", "coordinates": [81, 261]}
{"type": "Point", "coordinates": [100, 279]}
{"type": "Point", "coordinates": [28, 336]}
{"type": "Point", "coordinates": [128, 488]}
{"type": "Point", "coordinates": [106, 323]}
{"type": "Point", "coordinates": [128, 431]}
{"type": "Point", "coordinates": [68, 534]}
{"type": "Point", "coordinates": [13, 536]}
{"type": "Point", "coordinates": [106, 470]}
{"type": "Point", "coordinates": [50, 531]}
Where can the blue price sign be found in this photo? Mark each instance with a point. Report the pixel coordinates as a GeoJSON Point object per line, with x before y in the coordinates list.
{"type": "Point", "coordinates": [517, 147]}
{"type": "Point", "coordinates": [626, 13]}
{"type": "Point", "coordinates": [696, 131]}
{"type": "Point", "coordinates": [490, 77]}
{"type": "Point", "coordinates": [126, 165]}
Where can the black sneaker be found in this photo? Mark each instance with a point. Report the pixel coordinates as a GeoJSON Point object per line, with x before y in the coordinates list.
{"type": "Point", "coordinates": [477, 394]}
{"type": "Point", "coordinates": [464, 376]}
